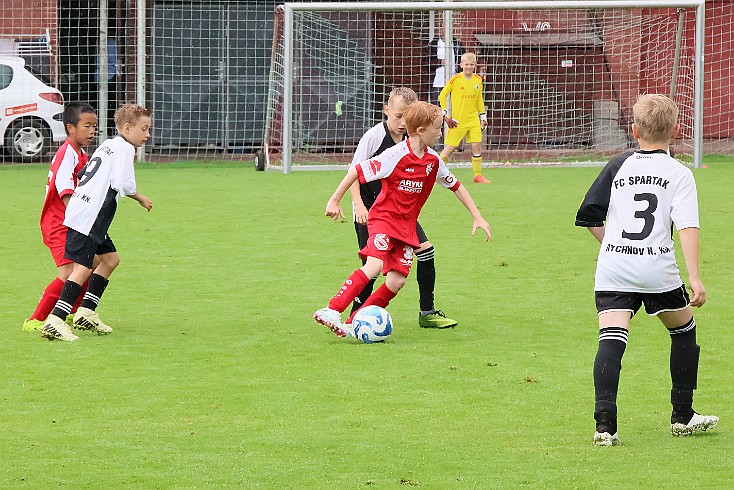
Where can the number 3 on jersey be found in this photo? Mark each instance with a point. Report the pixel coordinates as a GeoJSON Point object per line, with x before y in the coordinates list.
{"type": "Point", "coordinates": [652, 205]}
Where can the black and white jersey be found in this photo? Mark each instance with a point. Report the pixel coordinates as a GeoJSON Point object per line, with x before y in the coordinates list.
{"type": "Point", "coordinates": [108, 175]}
{"type": "Point", "coordinates": [376, 140]}
{"type": "Point", "coordinates": [640, 195]}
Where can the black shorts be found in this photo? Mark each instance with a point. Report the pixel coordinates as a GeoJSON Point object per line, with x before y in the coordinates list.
{"type": "Point", "coordinates": [363, 234]}
{"type": "Point", "coordinates": [81, 249]}
{"type": "Point", "coordinates": [674, 300]}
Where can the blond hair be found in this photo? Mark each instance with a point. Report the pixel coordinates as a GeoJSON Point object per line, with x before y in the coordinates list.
{"type": "Point", "coordinates": [129, 114]}
{"type": "Point", "coordinates": [656, 117]}
{"type": "Point", "coordinates": [469, 56]}
{"type": "Point", "coordinates": [420, 115]}
{"type": "Point", "coordinates": [407, 95]}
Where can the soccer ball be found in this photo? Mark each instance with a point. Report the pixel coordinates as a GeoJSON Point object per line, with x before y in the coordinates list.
{"type": "Point", "coordinates": [372, 324]}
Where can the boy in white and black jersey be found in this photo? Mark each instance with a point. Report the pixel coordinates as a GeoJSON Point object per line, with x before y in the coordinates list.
{"type": "Point", "coordinates": [375, 141]}
{"type": "Point", "coordinates": [108, 175]}
{"type": "Point", "coordinates": [641, 195]}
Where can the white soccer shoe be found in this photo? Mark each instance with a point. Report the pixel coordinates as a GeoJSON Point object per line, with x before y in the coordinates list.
{"type": "Point", "coordinates": [86, 319]}
{"type": "Point", "coordinates": [55, 328]}
{"type": "Point", "coordinates": [606, 439]}
{"type": "Point", "coordinates": [698, 423]}
{"type": "Point", "coordinates": [332, 319]}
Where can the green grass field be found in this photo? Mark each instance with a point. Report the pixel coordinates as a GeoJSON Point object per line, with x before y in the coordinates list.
{"type": "Point", "coordinates": [217, 377]}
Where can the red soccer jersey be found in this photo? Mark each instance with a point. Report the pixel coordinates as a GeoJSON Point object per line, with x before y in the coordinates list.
{"type": "Point", "coordinates": [62, 180]}
{"type": "Point", "coordinates": [407, 182]}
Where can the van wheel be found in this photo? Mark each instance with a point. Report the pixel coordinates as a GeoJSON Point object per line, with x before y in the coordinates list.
{"type": "Point", "coordinates": [28, 140]}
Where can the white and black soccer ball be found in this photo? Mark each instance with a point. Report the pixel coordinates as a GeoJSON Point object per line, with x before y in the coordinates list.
{"type": "Point", "coordinates": [372, 324]}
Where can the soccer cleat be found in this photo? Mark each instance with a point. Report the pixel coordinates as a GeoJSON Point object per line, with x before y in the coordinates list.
{"type": "Point", "coordinates": [332, 319]}
{"type": "Point", "coordinates": [86, 319]}
{"type": "Point", "coordinates": [480, 179]}
{"type": "Point", "coordinates": [606, 439]}
{"type": "Point", "coordinates": [55, 328]}
{"type": "Point", "coordinates": [348, 329]}
{"type": "Point", "coordinates": [70, 319]}
{"type": "Point", "coordinates": [32, 326]}
{"type": "Point", "coordinates": [698, 423]}
{"type": "Point", "coordinates": [436, 319]}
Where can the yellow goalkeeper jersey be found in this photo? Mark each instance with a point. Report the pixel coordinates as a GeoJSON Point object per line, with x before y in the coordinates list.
{"type": "Point", "coordinates": [467, 102]}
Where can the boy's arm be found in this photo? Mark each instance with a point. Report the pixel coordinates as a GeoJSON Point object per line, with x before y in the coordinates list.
{"type": "Point", "coordinates": [360, 210]}
{"type": "Point", "coordinates": [468, 202]}
{"type": "Point", "coordinates": [333, 209]}
{"type": "Point", "coordinates": [480, 107]}
{"type": "Point", "coordinates": [689, 239]}
{"type": "Point", "coordinates": [445, 91]}
{"type": "Point", "coordinates": [142, 200]}
{"type": "Point", "coordinates": [597, 231]}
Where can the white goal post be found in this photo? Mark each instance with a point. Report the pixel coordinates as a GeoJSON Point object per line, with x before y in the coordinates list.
{"type": "Point", "coordinates": [606, 52]}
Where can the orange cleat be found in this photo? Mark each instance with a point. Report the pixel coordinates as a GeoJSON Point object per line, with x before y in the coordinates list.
{"type": "Point", "coordinates": [480, 179]}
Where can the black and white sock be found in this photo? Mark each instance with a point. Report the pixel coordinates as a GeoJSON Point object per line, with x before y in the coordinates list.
{"type": "Point", "coordinates": [97, 285]}
{"type": "Point", "coordinates": [607, 366]}
{"type": "Point", "coordinates": [69, 294]}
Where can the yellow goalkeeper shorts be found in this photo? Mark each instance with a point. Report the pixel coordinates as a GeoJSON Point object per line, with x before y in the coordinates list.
{"type": "Point", "coordinates": [472, 132]}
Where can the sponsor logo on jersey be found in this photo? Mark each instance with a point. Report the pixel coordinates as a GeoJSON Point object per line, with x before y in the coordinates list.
{"type": "Point", "coordinates": [408, 252]}
{"type": "Point", "coordinates": [411, 186]}
{"type": "Point", "coordinates": [375, 166]}
{"type": "Point", "coordinates": [381, 241]}
{"type": "Point", "coordinates": [429, 168]}
{"type": "Point", "coordinates": [410, 169]}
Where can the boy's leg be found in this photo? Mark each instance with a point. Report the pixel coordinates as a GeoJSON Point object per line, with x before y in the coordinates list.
{"type": "Point", "coordinates": [362, 236]}
{"type": "Point", "coordinates": [684, 356]}
{"type": "Point", "coordinates": [429, 316]}
{"type": "Point", "coordinates": [476, 159]}
{"type": "Point", "coordinates": [54, 327]}
{"type": "Point", "coordinates": [86, 317]}
{"type": "Point", "coordinates": [45, 306]}
{"type": "Point", "coordinates": [355, 283]}
{"type": "Point", "coordinates": [613, 333]}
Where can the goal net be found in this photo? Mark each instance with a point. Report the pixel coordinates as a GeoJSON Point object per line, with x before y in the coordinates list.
{"type": "Point", "coordinates": [559, 82]}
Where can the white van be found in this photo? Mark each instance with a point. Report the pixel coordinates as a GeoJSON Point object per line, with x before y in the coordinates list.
{"type": "Point", "coordinates": [30, 112]}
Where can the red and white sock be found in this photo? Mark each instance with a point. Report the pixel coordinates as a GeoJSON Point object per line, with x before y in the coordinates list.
{"type": "Point", "coordinates": [349, 290]}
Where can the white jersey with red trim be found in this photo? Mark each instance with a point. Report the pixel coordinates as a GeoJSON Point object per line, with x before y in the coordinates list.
{"type": "Point", "coordinates": [108, 175]}
{"type": "Point", "coordinates": [640, 195]}
{"type": "Point", "coordinates": [407, 182]}
{"type": "Point", "coordinates": [62, 180]}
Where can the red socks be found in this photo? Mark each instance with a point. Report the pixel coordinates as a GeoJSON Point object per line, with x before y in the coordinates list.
{"type": "Point", "coordinates": [381, 298]}
{"type": "Point", "coordinates": [48, 300]}
{"type": "Point", "coordinates": [351, 288]}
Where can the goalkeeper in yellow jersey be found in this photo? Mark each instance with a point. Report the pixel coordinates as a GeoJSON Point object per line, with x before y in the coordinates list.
{"type": "Point", "coordinates": [467, 117]}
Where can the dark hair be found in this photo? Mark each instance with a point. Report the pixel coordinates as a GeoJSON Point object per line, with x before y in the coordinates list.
{"type": "Point", "coordinates": [73, 112]}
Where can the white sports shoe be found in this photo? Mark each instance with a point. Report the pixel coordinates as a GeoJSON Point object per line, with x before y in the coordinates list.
{"type": "Point", "coordinates": [606, 439]}
{"type": "Point", "coordinates": [86, 319]}
{"type": "Point", "coordinates": [698, 423]}
{"type": "Point", "coordinates": [55, 328]}
{"type": "Point", "coordinates": [332, 319]}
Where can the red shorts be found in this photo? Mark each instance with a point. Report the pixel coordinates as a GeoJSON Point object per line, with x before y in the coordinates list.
{"type": "Point", "coordinates": [56, 243]}
{"type": "Point", "coordinates": [394, 254]}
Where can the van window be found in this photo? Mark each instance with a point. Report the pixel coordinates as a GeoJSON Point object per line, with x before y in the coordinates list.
{"type": "Point", "coordinates": [6, 76]}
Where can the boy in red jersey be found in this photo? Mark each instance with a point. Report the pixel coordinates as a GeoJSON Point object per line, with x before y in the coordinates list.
{"type": "Point", "coordinates": [80, 122]}
{"type": "Point", "coordinates": [108, 176]}
{"type": "Point", "coordinates": [408, 171]}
